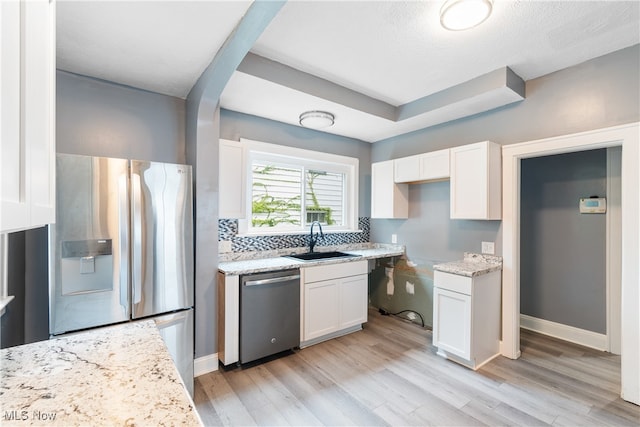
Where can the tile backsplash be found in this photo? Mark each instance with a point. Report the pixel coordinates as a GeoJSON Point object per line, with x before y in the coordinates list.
{"type": "Point", "coordinates": [228, 231]}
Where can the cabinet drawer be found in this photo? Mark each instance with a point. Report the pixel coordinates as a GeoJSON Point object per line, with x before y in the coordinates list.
{"type": "Point", "coordinates": [334, 271]}
{"type": "Point", "coordinates": [452, 282]}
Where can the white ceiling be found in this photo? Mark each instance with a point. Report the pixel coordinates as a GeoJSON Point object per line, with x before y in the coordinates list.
{"type": "Point", "coordinates": [392, 51]}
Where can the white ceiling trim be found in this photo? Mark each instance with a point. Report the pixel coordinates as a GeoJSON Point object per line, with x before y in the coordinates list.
{"type": "Point", "coordinates": [375, 119]}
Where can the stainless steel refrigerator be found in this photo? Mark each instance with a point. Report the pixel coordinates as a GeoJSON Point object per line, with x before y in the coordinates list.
{"type": "Point", "coordinates": [122, 249]}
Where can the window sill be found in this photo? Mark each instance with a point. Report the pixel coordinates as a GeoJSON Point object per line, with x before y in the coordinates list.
{"type": "Point", "coordinates": [292, 233]}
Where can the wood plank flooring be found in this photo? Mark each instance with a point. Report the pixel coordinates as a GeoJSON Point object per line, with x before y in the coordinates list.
{"type": "Point", "coordinates": [389, 374]}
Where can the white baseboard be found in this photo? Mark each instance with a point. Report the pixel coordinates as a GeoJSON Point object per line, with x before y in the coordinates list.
{"type": "Point", "coordinates": [565, 332]}
{"type": "Point", "coordinates": [205, 364]}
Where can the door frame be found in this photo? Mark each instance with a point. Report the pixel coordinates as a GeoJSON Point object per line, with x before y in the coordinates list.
{"type": "Point", "coordinates": [628, 137]}
{"type": "Point", "coordinates": [613, 248]}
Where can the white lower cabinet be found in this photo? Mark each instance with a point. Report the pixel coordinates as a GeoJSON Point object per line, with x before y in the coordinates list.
{"type": "Point", "coordinates": [228, 318]}
{"type": "Point", "coordinates": [334, 301]}
{"type": "Point", "coordinates": [321, 313]}
{"type": "Point", "coordinates": [466, 317]}
{"type": "Point", "coordinates": [453, 313]}
{"type": "Point", "coordinates": [353, 301]}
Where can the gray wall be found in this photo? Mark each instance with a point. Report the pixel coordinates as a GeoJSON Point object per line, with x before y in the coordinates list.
{"type": "Point", "coordinates": [99, 118]}
{"type": "Point", "coordinates": [430, 237]}
{"type": "Point", "coordinates": [562, 252]}
{"type": "Point", "coordinates": [596, 94]}
{"type": "Point", "coordinates": [27, 317]}
{"type": "Point", "coordinates": [237, 125]}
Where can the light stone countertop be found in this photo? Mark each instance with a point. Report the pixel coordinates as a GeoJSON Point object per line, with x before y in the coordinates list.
{"type": "Point", "coordinates": [117, 375]}
{"type": "Point", "coordinates": [472, 265]}
{"type": "Point", "coordinates": [257, 262]}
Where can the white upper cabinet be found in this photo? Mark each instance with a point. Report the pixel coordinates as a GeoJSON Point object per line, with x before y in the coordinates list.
{"type": "Point", "coordinates": [422, 167]}
{"type": "Point", "coordinates": [27, 114]}
{"type": "Point", "coordinates": [232, 177]}
{"type": "Point", "coordinates": [388, 199]}
{"type": "Point", "coordinates": [476, 174]}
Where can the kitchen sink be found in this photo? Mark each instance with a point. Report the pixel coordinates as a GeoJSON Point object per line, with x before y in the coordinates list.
{"type": "Point", "coordinates": [314, 256]}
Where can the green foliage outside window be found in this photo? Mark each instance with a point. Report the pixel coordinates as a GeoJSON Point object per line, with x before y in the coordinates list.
{"type": "Point", "coordinates": [271, 211]}
{"type": "Point", "coordinates": [315, 206]}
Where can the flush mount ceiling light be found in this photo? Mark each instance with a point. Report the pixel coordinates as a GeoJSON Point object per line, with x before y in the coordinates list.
{"type": "Point", "coordinates": [316, 119]}
{"type": "Point", "coordinates": [457, 15]}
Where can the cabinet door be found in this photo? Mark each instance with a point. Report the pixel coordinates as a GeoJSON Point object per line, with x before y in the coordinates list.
{"type": "Point", "coordinates": [39, 109]}
{"type": "Point", "coordinates": [434, 165]}
{"type": "Point", "coordinates": [452, 322]}
{"type": "Point", "coordinates": [14, 213]}
{"type": "Point", "coordinates": [321, 308]}
{"type": "Point", "coordinates": [27, 120]}
{"type": "Point", "coordinates": [388, 199]}
{"type": "Point", "coordinates": [476, 181]}
{"type": "Point", "coordinates": [407, 169]}
{"type": "Point", "coordinates": [422, 167]}
{"type": "Point", "coordinates": [232, 180]}
{"type": "Point", "coordinates": [353, 301]}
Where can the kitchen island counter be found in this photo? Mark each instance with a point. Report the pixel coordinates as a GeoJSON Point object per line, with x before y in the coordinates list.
{"type": "Point", "coordinates": [117, 375]}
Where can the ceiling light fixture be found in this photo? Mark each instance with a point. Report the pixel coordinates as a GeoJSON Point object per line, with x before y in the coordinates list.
{"type": "Point", "coordinates": [316, 119]}
{"type": "Point", "coordinates": [457, 15]}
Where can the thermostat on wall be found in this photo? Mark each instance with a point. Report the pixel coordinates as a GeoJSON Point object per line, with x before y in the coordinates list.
{"type": "Point", "coordinates": [593, 205]}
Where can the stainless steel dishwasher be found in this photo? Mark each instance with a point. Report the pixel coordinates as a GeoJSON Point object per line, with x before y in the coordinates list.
{"type": "Point", "coordinates": [269, 313]}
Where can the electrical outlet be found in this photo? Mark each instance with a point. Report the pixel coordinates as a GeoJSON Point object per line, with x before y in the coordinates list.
{"type": "Point", "coordinates": [488, 248]}
{"type": "Point", "coordinates": [410, 287]}
{"type": "Point", "coordinates": [394, 238]}
{"type": "Point", "coordinates": [411, 315]}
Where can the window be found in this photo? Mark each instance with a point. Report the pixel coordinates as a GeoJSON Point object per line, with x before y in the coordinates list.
{"type": "Point", "coordinates": [290, 188]}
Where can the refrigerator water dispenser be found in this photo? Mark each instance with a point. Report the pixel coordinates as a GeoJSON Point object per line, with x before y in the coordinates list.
{"type": "Point", "coordinates": [86, 266]}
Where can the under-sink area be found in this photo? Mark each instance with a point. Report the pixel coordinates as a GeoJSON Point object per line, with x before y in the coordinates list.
{"type": "Point", "coordinates": [314, 256]}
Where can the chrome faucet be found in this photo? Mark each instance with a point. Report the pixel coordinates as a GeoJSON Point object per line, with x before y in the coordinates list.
{"type": "Point", "coordinates": [314, 239]}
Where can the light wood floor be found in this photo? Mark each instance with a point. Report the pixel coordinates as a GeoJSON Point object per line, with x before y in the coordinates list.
{"type": "Point", "coordinates": [389, 374]}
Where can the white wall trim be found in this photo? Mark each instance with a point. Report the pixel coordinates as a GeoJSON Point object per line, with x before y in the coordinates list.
{"type": "Point", "coordinates": [627, 136]}
{"type": "Point", "coordinates": [613, 250]}
{"type": "Point", "coordinates": [205, 364]}
{"type": "Point", "coordinates": [564, 332]}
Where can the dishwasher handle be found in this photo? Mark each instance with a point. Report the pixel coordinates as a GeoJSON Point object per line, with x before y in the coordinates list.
{"type": "Point", "coordinates": [271, 280]}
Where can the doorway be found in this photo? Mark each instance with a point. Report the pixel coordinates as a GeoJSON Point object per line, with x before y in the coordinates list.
{"type": "Point", "coordinates": [569, 225]}
{"type": "Point", "coordinates": [626, 136]}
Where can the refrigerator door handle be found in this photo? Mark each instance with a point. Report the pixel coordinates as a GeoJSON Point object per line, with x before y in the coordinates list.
{"type": "Point", "coordinates": [123, 231]}
{"type": "Point", "coordinates": [166, 321]}
{"type": "Point", "coordinates": [136, 242]}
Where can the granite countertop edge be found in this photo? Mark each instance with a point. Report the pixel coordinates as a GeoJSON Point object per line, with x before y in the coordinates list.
{"type": "Point", "coordinates": [472, 265]}
{"type": "Point", "coordinates": [127, 365]}
{"type": "Point", "coordinates": [258, 262]}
